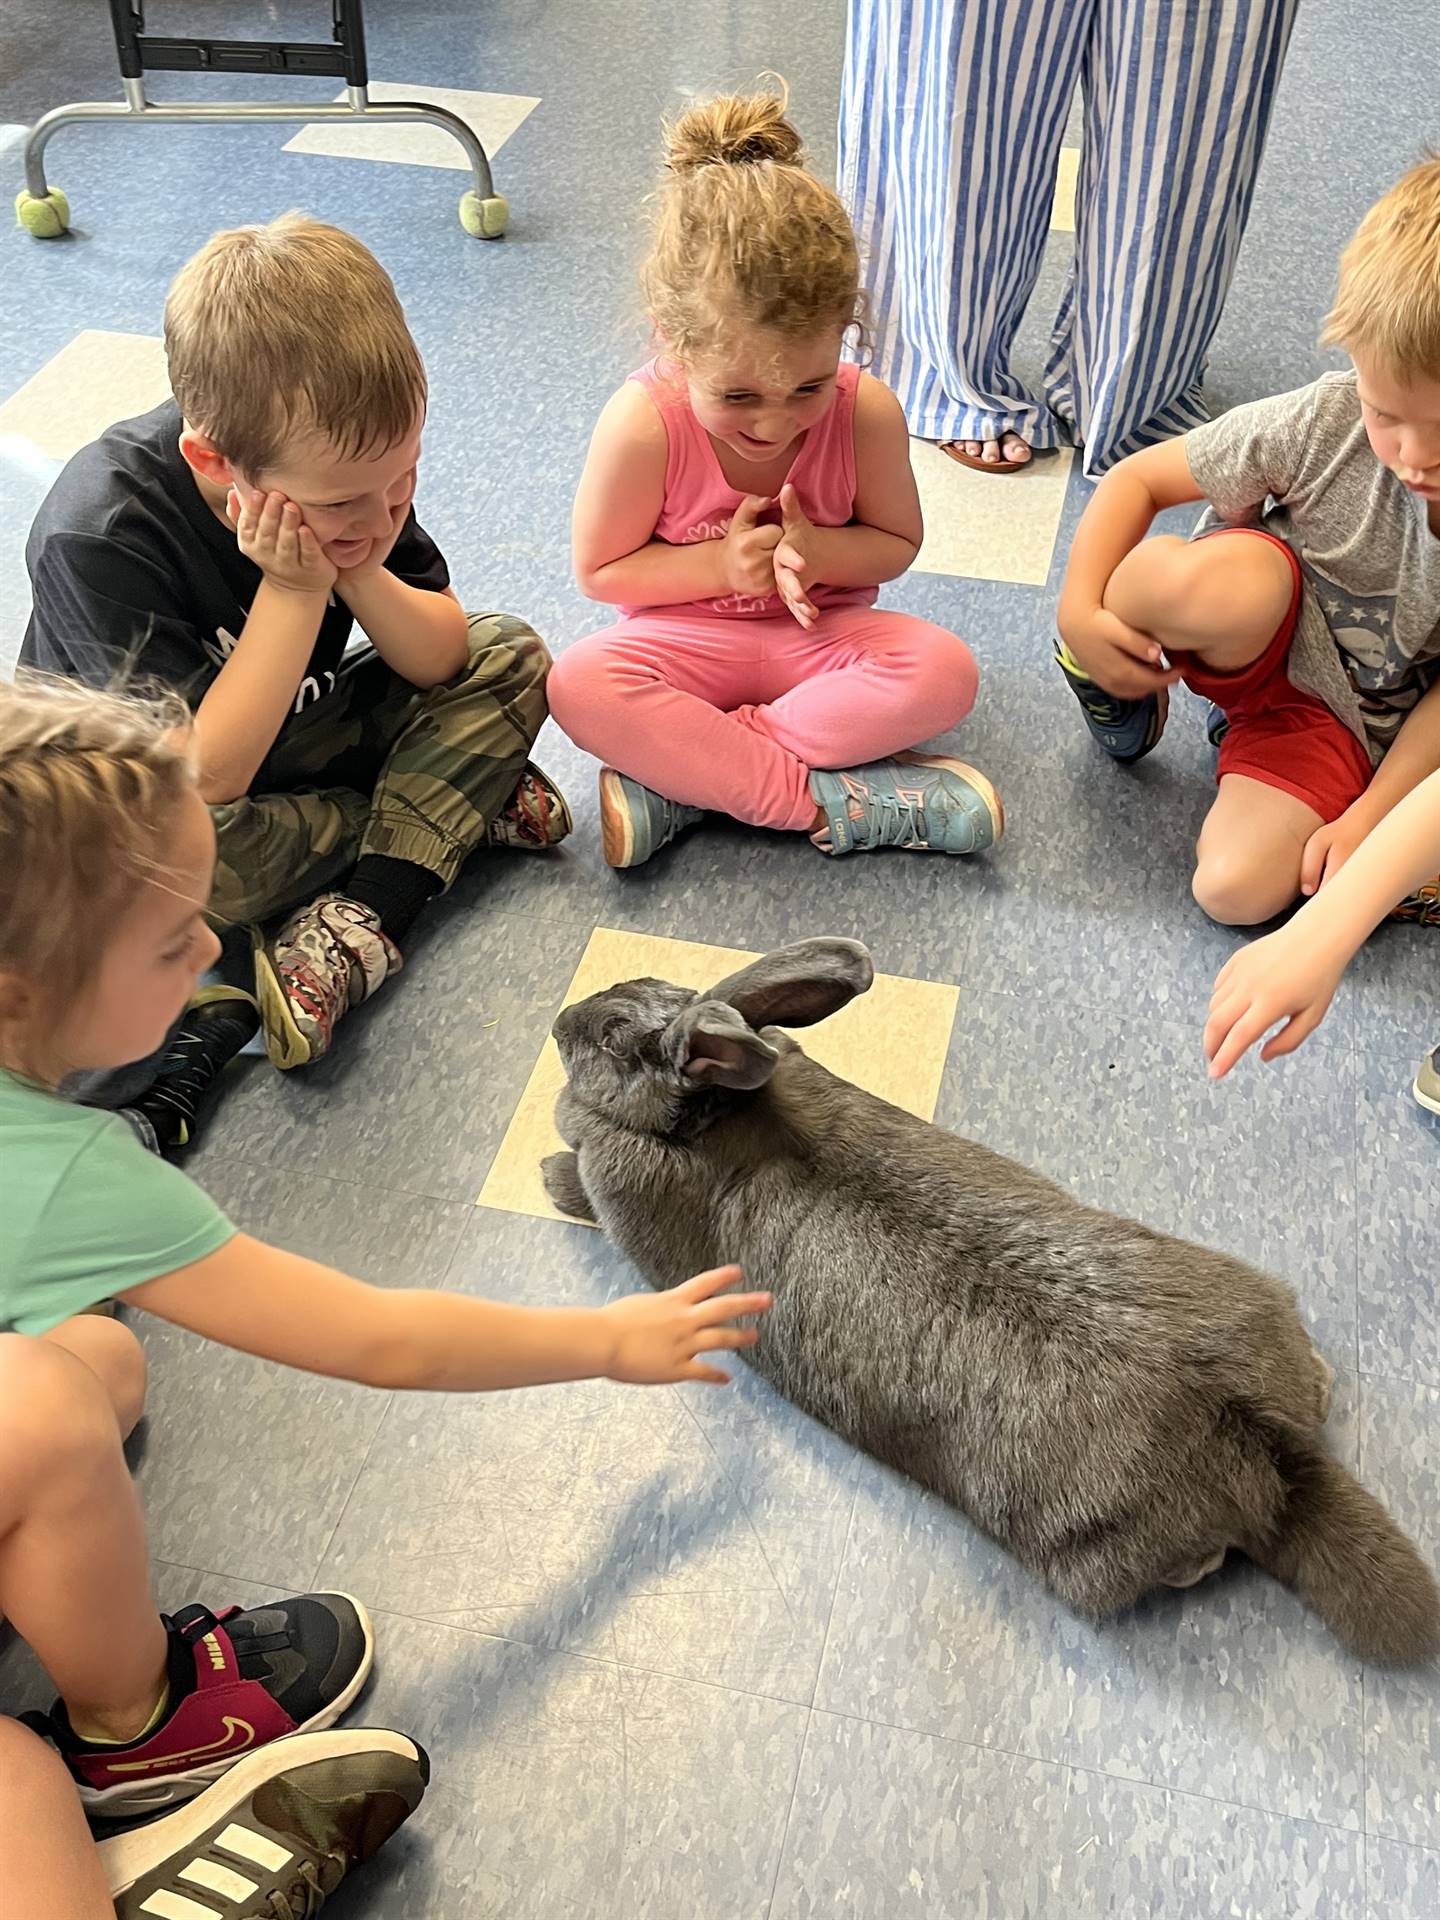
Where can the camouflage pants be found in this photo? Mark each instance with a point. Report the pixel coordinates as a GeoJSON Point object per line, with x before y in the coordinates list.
{"type": "Point", "coordinates": [379, 766]}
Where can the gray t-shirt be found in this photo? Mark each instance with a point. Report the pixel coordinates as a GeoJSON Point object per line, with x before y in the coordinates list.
{"type": "Point", "coordinates": [1299, 465]}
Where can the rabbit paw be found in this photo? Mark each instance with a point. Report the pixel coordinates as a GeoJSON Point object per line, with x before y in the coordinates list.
{"type": "Point", "coordinates": [561, 1173]}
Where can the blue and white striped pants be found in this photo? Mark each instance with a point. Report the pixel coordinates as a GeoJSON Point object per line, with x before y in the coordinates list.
{"type": "Point", "coordinates": [951, 121]}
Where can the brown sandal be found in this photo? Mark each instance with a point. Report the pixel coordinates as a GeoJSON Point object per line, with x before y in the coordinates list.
{"type": "Point", "coordinates": [956, 451]}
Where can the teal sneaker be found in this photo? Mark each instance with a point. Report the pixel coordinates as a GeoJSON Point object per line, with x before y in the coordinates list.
{"type": "Point", "coordinates": [1126, 729]}
{"type": "Point", "coordinates": [634, 822]}
{"type": "Point", "coordinates": [1427, 1081]}
{"type": "Point", "coordinates": [922, 801]}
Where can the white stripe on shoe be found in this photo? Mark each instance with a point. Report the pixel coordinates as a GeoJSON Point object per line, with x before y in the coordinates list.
{"type": "Point", "coordinates": [217, 1879]}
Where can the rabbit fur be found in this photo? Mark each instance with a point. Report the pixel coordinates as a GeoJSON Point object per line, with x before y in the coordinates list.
{"type": "Point", "coordinates": [1116, 1407]}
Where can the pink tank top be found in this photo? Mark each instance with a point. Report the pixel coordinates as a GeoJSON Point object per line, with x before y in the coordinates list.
{"type": "Point", "coordinates": [699, 500]}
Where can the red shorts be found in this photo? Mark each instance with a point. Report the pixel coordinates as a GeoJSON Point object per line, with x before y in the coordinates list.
{"type": "Point", "coordinates": [1277, 734]}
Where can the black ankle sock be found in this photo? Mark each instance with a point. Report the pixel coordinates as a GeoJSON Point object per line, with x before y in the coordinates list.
{"type": "Point", "coordinates": [395, 889]}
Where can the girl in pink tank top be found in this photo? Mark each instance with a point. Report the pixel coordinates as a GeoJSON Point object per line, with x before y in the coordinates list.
{"type": "Point", "coordinates": [744, 495]}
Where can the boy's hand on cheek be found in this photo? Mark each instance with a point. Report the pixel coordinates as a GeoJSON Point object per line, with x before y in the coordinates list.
{"type": "Point", "coordinates": [271, 531]}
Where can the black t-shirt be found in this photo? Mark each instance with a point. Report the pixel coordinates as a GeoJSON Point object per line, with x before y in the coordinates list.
{"type": "Point", "coordinates": [133, 574]}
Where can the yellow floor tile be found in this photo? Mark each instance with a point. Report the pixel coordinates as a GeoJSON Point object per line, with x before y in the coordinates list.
{"type": "Point", "coordinates": [1062, 214]}
{"type": "Point", "coordinates": [95, 380]}
{"type": "Point", "coordinates": [989, 526]}
{"type": "Point", "coordinates": [892, 1041]}
{"type": "Point", "coordinates": [415, 143]}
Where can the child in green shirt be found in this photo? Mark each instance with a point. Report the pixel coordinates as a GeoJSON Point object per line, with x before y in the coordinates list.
{"type": "Point", "coordinates": [106, 853]}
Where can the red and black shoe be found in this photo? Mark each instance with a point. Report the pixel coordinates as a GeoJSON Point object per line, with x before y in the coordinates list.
{"type": "Point", "coordinates": [237, 1680]}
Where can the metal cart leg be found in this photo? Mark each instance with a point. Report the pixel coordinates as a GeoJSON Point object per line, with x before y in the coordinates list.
{"type": "Point", "coordinates": [44, 211]}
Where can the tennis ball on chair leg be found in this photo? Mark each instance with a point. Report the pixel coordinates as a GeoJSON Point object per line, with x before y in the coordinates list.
{"type": "Point", "coordinates": [45, 218]}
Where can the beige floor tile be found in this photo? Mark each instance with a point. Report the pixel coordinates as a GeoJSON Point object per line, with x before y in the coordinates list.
{"type": "Point", "coordinates": [414, 143]}
{"type": "Point", "coordinates": [892, 1041]}
{"type": "Point", "coordinates": [1062, 214]}
{"type": "Point", "coordinates": [989, 526]}
{"type": "Point", "coordinates": [93, 381]}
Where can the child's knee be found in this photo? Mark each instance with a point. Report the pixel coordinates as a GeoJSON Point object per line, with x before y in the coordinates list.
{"type": "Point", "coordinates": [56, 1414]}
{"type": "Point", "coordinates": [111, 1351]}
{"type": "Point", "coordinates": [1238, 890]}
{"type": "Point", "coordinates": [584, 683]}
{"type": "Point", "coordinates": [955, 676]}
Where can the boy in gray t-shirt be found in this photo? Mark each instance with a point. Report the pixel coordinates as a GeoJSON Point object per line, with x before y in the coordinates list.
{"type": "Point", "coordinates": [1307, 607]}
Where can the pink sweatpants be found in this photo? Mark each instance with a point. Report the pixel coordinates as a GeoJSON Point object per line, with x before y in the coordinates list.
{"type": "Point", "coordinates": [731, 715]}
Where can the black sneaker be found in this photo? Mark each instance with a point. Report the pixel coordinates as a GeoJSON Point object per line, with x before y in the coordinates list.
{"type": "Point", "coordinates": [276, 1836]}
{"type": "Point", "coordinates": [237, 1681]}
{"type": "Point", "coordinates": [218, 1023]}
{"type": "Point", "coordinates": [1126, 729]}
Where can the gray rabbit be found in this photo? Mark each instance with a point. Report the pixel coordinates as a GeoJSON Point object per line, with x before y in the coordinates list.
{"type": "Point", "coordinates": [1117, 1408]}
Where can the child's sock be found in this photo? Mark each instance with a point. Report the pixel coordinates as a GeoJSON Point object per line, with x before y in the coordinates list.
{"type": "Point", "coordinates": [394, 889]}
{"type": "Point", "coordinates": [94, 1739]}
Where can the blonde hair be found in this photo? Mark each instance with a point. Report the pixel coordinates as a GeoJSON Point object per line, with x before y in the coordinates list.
{"type": "Point", "coordinates": [742, 235]}
{"type": "Point", "coordinates": [290, 328]}
{"type": "Point", "coordinates": [89, 784]}
{"type": "Point", "coordinates": [1388, 303]}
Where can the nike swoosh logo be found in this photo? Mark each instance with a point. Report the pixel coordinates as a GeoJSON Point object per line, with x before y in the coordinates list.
{"type": "Point", "coordinates": [238, 1735]}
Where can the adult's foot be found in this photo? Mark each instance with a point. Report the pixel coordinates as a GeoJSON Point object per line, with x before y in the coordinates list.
{"type": "Point", "coordinates": [1005, 455]}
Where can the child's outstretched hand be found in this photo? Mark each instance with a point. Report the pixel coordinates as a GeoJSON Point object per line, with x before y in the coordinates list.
{"type": "Point", "coordinates": [658, 1335]}
{"type": "Point", "coordinates": [1287, 976]}
{"type": "Point", "coordinates": [794, 568]}
{"type": "Point", "coordinates": [271, 531]}
{"type": "Point", "coordinates": [749, 550]}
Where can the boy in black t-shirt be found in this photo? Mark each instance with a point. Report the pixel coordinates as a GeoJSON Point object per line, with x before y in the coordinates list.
{"type": "Point", "coordinates": [226, 544]}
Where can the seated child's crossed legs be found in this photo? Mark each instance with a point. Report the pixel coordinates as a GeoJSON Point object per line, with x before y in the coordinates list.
{"type": "Point", "coordinates": [1224, 609]}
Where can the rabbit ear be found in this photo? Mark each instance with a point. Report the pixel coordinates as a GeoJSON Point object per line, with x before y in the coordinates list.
{"type": "Point", "coordinates": [799, 984]}
{"type": "Point", "coordinates": [713, 1047]}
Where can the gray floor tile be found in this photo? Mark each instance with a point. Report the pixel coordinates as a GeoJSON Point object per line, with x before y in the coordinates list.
{"type": "Point", "coordinates": [699, 1536]}
{"type": "Point", "coordinates": [244, 1466]}
{"type": "Point", "coordinates": [1403, 1882]}
{"type": "Point", "coordinates": [1229, 1690]}
{"type": "Point", "coordinates": [564, 1788]}
{"type": "Point", "coordinates": [1398, 1284]}
{"type": "Point", "coordinates": [1400, 1461]}
{"type": "Point", "coordinates": [428, 1074]}
{"type": "Point", "coordinates": [396, 1239]}
{"type": "Point", "coordinates": [891, 1825]}
{"type": "Point", "coordinates": [1122, 1114]}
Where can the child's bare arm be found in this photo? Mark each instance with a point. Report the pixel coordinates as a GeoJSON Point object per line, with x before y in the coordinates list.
{"type": "Point", "coordinates": [1117, 657]}
{"type": "Point", "coordinates": [261, 1300]}
{"type": "Point", "coordinates": [618, 502]}
{"type": "Point", "coordinates": [246, 704]}
{"type": "Point", "coordinates": [1292, 975]}
{"type": "Point", "coordinates": [1413, 757]}
{"type": "Point", "coordinates": [884, 535]}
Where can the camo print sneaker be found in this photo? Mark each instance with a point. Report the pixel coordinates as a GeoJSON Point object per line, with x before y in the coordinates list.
{"type": "Point", "coordinates": [276, 1835]}
{"type": "Point", "coordinates": [533, 818]}
{"type": "Point", "coordinates": [325, 961]}
{"type": "Point", "coordinates": [1427, 1081]}
{"type": "Point", "coordinates": [236, 1681]}
{"type": "Point", "coordinates": [924, 802]}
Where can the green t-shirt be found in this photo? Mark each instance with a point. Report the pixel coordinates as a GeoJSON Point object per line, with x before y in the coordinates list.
{"type": "Point", "coordinates": [85, 1211]}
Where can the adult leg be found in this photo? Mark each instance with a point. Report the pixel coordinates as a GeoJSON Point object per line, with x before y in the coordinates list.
{"type": "Point", "coordinates": [71, 1531]}
{"type": "Point", "coordinates": [1178, 98]}
{"type": "Point", "coordinates": [48, 1862]}
{"type": "Point", "coordinates": [952, 115]}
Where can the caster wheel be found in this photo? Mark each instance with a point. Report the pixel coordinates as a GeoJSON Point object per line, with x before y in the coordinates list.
{"type": "Point", "coordinates": [486, 219]}
{"type": "Point", "coordinates": [47, 219]}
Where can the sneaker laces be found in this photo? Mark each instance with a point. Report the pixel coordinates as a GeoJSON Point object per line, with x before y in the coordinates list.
{"type": "Point", "coordinates": [901, 819]}
{"type": "Point", "coordinates": [305, 1896]}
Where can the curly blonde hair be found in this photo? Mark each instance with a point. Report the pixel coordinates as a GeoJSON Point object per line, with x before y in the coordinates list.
{"type": "Point", "coordinates": [743, 236]}
{"type": "Point", "coordinates": [89, 786]}
{"type": "Point", "coordinates": [1388, 302]}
